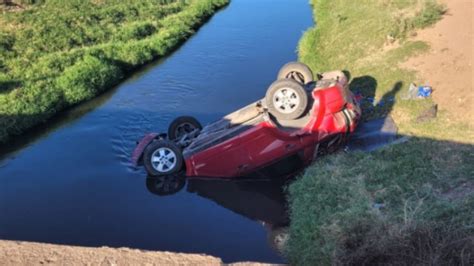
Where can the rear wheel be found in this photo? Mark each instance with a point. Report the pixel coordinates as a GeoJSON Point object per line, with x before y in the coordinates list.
{"type": "Point", "coordinates": [299, 72]}
{"type": "Point", "coordinates": [181, 126]}
{"type": "Point", "coordinates": [162, 157]}
{"type": "Point", "coordinates": [286, 99]}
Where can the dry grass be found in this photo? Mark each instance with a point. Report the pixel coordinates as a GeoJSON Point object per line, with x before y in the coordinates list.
{"type": "Point", "coordinates": [408, 245]}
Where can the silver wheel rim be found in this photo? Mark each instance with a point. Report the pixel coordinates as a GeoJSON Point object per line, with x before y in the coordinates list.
{"type": "Point", "coordinates": [286, 100]}
{"type": "Point", "coordinates": [163, 160]}
{"type": "Point", "coordinates": [183, 129]}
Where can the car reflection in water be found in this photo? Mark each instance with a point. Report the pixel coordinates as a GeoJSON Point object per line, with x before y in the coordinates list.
{"type": "Point", "coordinates": [260, 197]}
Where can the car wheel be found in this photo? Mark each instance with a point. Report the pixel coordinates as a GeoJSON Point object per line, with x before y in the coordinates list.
{"type": "Point", "coordinates": [299, 72]}
{"type": "Point", "coordinates": [162, 157]}
{"type": "Point", "coordinates": [181, 126]}
{"type": "Point", "coordinates": [165, 185]}
{"type": "Point", "coordinates": [286, 99]}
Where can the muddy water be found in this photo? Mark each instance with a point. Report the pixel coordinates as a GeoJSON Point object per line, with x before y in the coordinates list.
{"type": "Point", "coordinates": [71, 181]}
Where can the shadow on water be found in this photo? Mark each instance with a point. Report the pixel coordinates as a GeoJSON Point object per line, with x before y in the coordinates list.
{"type": "Point", "coordinates": [259, 199]}
{"type": "Point", "coordinates": [259, 196]}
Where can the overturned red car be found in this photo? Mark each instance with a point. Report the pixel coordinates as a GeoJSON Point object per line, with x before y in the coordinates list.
{"type": "Point", "coordinates": [299, 117]}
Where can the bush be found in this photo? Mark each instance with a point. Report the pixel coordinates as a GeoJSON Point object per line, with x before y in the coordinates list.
{"type": "Point", "coordinates": [431, 13]}
{"type": "Point", "coordinates": [87, 78]}
{"type": "Point", "coordinates": [137, 31]}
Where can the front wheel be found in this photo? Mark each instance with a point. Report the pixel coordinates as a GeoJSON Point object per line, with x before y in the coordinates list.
{"type": "Point", "coordinates": [286, 99]}
{"type": "Point", "coordinates": [162, 157]}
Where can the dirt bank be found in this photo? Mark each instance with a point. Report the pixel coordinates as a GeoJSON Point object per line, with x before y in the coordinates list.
{"type": "Point", "coordinates": [448, 65]}
{"type": "Point", "coordinates": [29, 253]}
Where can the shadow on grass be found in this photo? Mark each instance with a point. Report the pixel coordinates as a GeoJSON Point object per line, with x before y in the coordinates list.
{"type": "Point", "coordinates": [6, 86]}
{"type": "Point", "coordinates": [10, 3]}
{"type": "Point", "coordinates": [366, 87]}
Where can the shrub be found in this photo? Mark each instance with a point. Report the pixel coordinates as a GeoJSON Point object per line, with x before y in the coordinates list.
{"type": "Point", "coordinates": [136, 31]}
{"type": "Point", "coordinates": [87, 78]}
{"type": "Point", "coordinates": [431, 13]}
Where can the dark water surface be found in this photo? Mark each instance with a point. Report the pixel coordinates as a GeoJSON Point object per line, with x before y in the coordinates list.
{"type": "Point", "coordinates": [71, 182]}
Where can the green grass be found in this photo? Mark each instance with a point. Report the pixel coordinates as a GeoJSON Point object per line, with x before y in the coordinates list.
{"type": "Point", "coordinates": [428, 209]}
{"type": "Point", "coordinates": [425, 184]}
{"type": "Point", "coordinates": [54, 54]}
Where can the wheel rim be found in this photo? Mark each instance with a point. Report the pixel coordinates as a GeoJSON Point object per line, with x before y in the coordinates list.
{"type": "Point", "coordinates": [286, 100]}
{"type": "Point", "coordinates": [295, 75]}
{"type": "Point", "coordinates": [183, 129]}
{"type": "Point", "coordinates": [163, 160]}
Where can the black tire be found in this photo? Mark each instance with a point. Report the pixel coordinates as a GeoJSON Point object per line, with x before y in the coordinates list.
{"type": "Point", "coordinates": [296, 71]}
{"type": "Point", "coordinates": [280, 107]}
{"type": "Point", "coordinates": [161, 150]}
{"type": "Point", "coordinates": [181, 125]}
{"type": "Point", "coordinates": [165, 185]}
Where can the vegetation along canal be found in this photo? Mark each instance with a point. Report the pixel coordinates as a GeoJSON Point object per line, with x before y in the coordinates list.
{"type": "Point", "coordinates": [71, 182]}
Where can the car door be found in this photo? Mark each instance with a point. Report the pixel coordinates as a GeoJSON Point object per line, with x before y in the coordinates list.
{"type": "Point", "coordinates": [265, 146]}
{"type": "Point", "coordinates": [226, 159]}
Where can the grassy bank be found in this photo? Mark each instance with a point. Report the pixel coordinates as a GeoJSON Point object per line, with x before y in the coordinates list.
{"type": "Point", "coordinates": [408, 203]}
{"type": "Point", "coordinates": [55, 54]}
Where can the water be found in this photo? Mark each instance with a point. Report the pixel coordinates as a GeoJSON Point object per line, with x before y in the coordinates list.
{"type": "Point", "coordinates": [70, 182]}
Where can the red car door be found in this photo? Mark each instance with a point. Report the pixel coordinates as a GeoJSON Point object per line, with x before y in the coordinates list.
{"type": "Point", "coordinates": [226, 159]}
{"type": "Point", "coordinates": [264, 145]}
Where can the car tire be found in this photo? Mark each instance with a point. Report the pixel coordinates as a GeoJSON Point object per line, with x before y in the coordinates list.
{"type": "Point", "coordinates": [286, 99]}
{"type": "Point", "coordinates": [162, 157]}
{"type": "Point", "coordinates": [165, 185]}
{"type": "Point", "coordinates": [296, 71]}
{"type": "Point", "coordinates": [182, 125]}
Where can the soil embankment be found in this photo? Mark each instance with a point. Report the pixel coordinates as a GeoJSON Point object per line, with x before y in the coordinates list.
{"type": "Point", "coordinates": [447, 67]}
{"type": "Point", "coordinates": [29, 253]}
